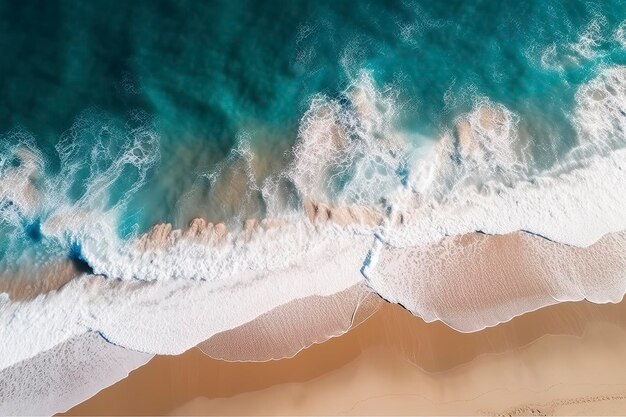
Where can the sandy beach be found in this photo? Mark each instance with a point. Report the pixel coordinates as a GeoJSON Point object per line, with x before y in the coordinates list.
{"type": "Point", "coordinates": [566, 358]}
{"type": "Point", "coordinates": [563, 359]}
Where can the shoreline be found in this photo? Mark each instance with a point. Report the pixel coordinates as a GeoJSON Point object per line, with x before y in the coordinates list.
{"type": "Point", "coordinates": [500, 271]}
{"type": "Point", "coordinates": [390, 350]}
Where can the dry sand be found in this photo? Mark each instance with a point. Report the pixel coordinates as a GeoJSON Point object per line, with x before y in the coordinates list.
{"type": "Point", "coordinates": [563, 359]}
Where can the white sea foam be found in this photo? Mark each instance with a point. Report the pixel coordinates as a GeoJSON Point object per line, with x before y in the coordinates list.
{"type": "Point", "coordinates": [481, 281]}
{"type": "Point", "coordinates": [341, 156]}
{"type": "Point", "coordinates": [20, 166]}
{"type": "Point", "coordinates": [97, 159]}
{"type": "Point", "coordinates": [96, 152]}
{"type": "Point", "coordinates": [170, 290]}
{"type": "Point", "coordinates": [597, 39]}
{"type": "Point", "coordinates": [620, 34]}
{"type": "Point", "coordinates": [599, 117]}
{"type": "Point", "coordinates": [505, 196]}
{"type": "Point", "coordinates": [590, 39]}
{"type": "Point", "coordinates": [576, 202]}
{"type": "Point", "coordinates": [174, 314]}
{"type": "Point", "coordinates": [55, 380]}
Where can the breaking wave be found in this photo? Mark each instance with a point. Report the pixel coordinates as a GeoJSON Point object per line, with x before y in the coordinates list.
{"type": "Point", "coordinates": [358, 205]}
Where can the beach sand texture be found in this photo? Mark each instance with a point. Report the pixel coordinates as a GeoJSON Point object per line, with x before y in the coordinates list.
{"type": "Point", "coordinates": [561, 360]}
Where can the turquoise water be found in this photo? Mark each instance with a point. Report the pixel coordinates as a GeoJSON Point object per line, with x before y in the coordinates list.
{"type": "Point", "coordinates": [130, 104]}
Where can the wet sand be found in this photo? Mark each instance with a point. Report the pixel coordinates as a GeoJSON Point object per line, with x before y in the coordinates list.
{"type": "Point", "coordinates": [563, 359]}
{"type": "Point", "coordinates": [26, 284]}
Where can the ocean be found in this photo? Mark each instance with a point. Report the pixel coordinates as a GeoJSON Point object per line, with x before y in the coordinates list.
{"type": "Point", "coordinates": [329, 144]}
